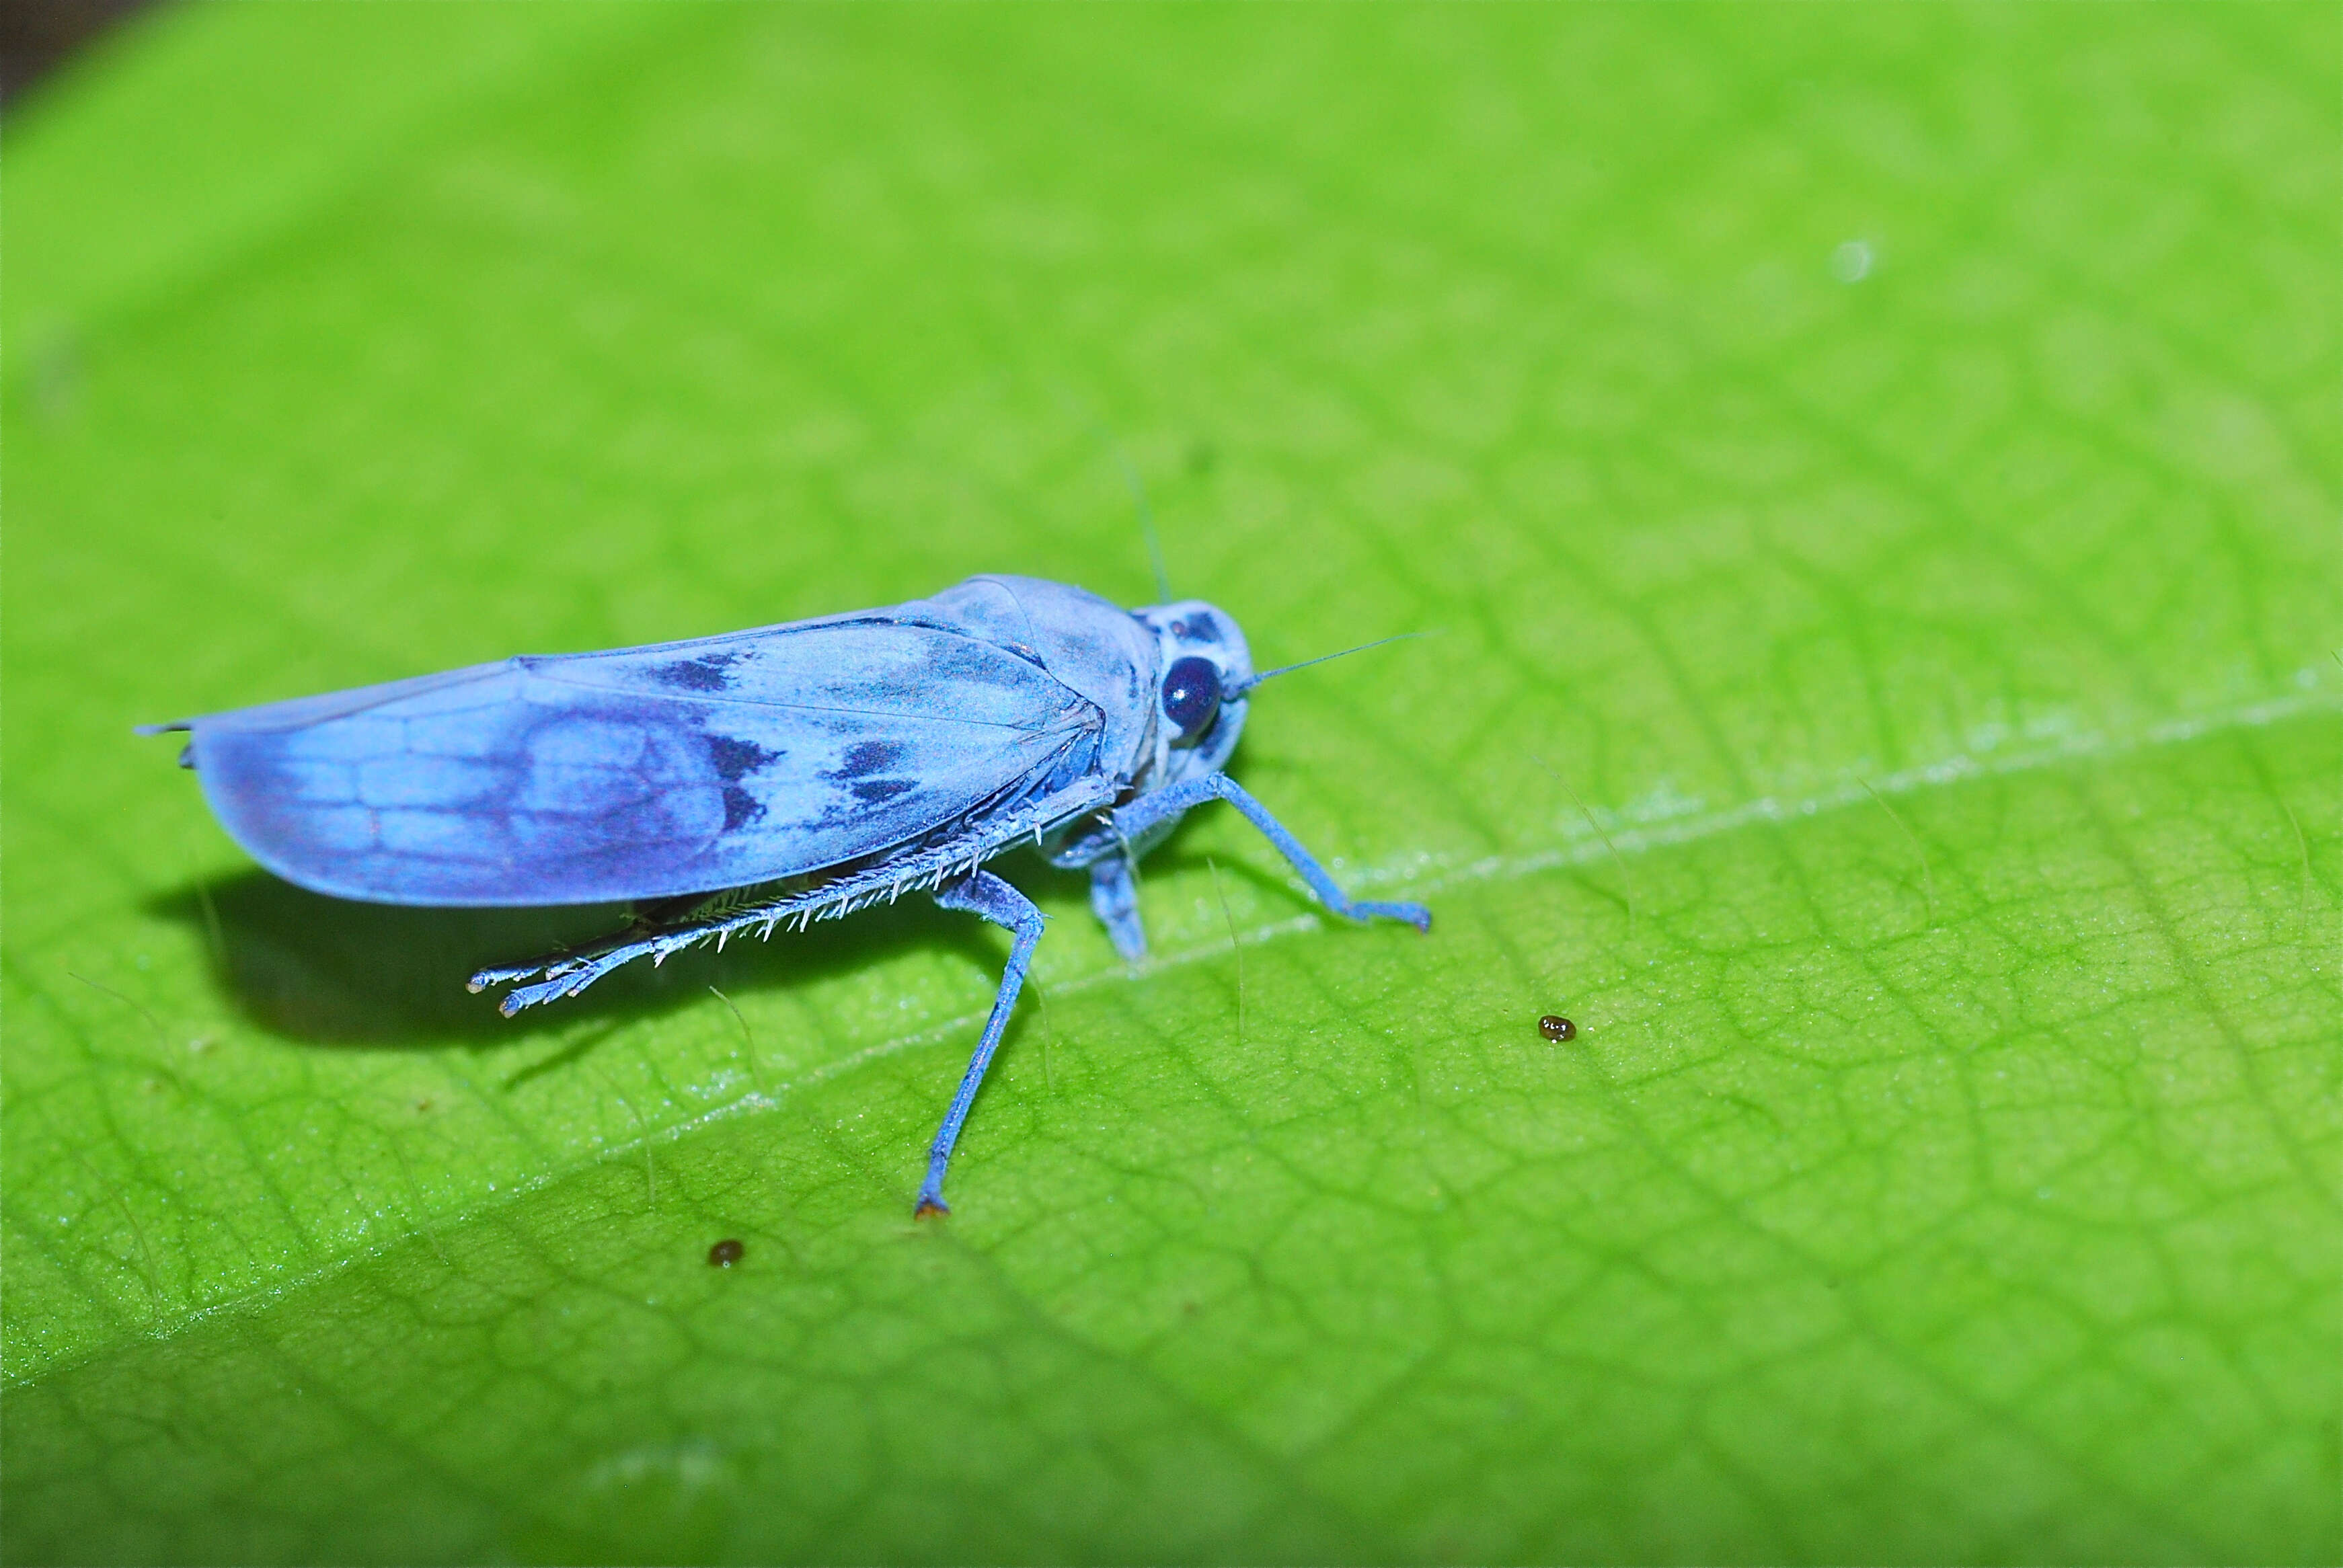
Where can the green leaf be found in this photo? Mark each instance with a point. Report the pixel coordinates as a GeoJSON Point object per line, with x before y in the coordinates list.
{"type": "Point", "coordinates": [1872, 470]}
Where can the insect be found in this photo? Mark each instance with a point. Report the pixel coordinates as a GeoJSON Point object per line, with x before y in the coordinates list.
{"type": "Point", "coordinates": [726, 1254]}
{"type": "Point", "coordinates": [1554, 1026]}
{"type": "Point", "coordinates": [768, 778]}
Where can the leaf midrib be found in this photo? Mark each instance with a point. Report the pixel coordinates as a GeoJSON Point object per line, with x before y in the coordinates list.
{"type": "Point", "coordinates": [1692, 827]}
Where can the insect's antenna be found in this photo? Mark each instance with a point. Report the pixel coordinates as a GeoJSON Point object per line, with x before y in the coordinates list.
{"type": "Point", "coordinates": [1238, 688]}
{"type": "Point", "coordinates": [1130, 481]}
{"type": "Point", "coordinates": [1146, 522]}
{"type": "Point", "coordinates": [1146, 513]}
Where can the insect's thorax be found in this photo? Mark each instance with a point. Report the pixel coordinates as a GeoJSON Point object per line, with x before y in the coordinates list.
{"type": "Point", "coordinates": [1119, 660]}
{"type": "Point", "coordinates": [1195, 674]}
{"type": "Point", "coordinates": [1092, 647]}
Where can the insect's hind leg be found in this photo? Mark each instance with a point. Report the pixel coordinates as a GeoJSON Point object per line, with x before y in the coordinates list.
{"type": "Point", "coordinates": [982, 893]}
{"type": "Point", "coordinates": [664, 929]}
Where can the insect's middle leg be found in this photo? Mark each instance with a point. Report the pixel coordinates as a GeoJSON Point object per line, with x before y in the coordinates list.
{"type": "Point", "coordinates": [983, 893]}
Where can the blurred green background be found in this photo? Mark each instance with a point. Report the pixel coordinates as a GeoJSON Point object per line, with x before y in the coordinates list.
{"type": "Point", "coordinates": [1873, 470]}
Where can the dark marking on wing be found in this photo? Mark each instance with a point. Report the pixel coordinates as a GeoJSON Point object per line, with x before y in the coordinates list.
{"type": "Point", "coordinates": [706, 673]}
{"type": "Point", "coordinates": [871, 791]}
{"type": "Point", "coordinates": [735, 759]}
{"type": "Point", "coordinates": [865, 758]}
{"type": "Point", "coordinates": [740, 808]}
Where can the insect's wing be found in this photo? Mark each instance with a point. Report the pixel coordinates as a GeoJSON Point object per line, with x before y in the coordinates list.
{"type": "Point", "coordinates": [645, 772]}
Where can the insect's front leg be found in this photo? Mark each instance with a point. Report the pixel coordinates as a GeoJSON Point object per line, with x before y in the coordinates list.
{"type": "Point", "coordinates": [1148, 810]}
{"type": "Point", "coordinates": [982, 893]}
{"type": "Point", "coordinates": [1113, 857]}
{"type": "Point", "coordinates": [1114, 898]}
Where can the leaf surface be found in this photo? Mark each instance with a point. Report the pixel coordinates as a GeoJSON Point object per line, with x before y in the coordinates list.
{"type": "Point", "coordinates": [1873, 474]}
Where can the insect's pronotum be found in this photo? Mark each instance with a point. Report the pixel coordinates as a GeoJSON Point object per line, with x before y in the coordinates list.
{"type": "Point", "coordinates": [766, 778]}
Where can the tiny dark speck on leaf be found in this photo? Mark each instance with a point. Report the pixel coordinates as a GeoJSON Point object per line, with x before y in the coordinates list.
{"type": "Point", "coordinates": [1554, 1026]}
{"type": "Point", "coordinates": [725, 1254]}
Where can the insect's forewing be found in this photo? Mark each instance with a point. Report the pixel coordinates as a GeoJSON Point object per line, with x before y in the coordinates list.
{"type": "Point", "coordinates": [644, 772]}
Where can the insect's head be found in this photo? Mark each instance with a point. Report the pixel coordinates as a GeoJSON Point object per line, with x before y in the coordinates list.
{"type": "Point", "coordinates": [1205, 669]}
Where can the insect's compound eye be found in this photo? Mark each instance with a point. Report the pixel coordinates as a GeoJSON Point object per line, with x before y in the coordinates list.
{"type": "Point", "coordinates": [1192, 694]}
